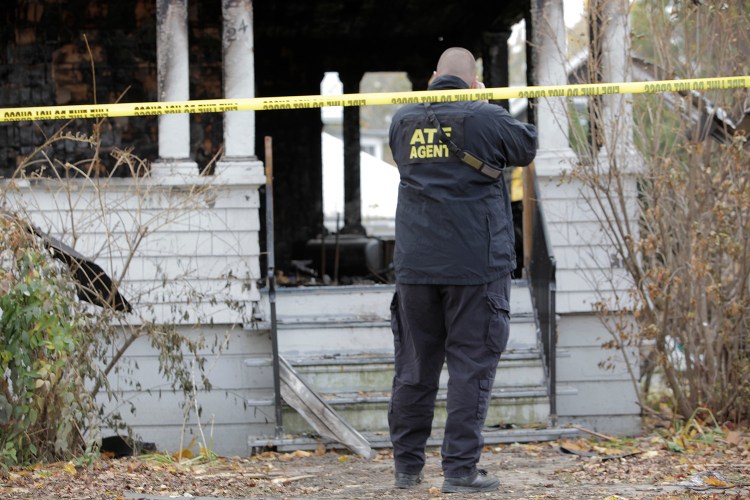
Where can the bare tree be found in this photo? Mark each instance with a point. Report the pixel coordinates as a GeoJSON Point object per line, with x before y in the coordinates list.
{"type": "Point", "coordinates": [687, 251]}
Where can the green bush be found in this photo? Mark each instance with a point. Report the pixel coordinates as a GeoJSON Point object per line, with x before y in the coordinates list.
{"type": "Point", "coordinates": [43, 401]}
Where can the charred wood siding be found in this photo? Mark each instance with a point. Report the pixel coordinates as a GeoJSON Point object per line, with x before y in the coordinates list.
{"type": "Point", "coordinates": [46, 61]}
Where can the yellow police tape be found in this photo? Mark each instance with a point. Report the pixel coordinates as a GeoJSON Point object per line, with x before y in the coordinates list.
{"type": "Point", "coordinates": [369, 99]}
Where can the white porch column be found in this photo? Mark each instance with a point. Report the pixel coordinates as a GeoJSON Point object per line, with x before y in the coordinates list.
{"type": "Point", "coordinates": [561, 202]}
{"type": "Point", "coordinates": [173, 85]}
{"type": "Point", "coordinates": [617, 160]}
{"type": "Point", "coordinates": [239, 160]}
{"type": "Point", "coordinates": [615, 57]}
{"type": "Point", "coordinates": [549, 36]}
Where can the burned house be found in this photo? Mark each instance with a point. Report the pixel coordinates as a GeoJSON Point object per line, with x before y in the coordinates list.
{"type": "Point", "coordinates": [196, 181]}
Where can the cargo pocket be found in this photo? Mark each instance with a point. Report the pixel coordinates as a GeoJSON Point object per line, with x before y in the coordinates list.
{"type": "Point", "coordinates": [498, 330]}
{"type": "Point", "coordinates": [395, 322]}
{"type": "Point", "coordinates": [485, 390]}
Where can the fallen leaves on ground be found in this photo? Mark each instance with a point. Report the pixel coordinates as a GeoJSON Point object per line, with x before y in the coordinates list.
{"type": "Point", "coordinates": [709, 459]}
{"type": "Point", "coordinates": [696, 456]}
{"type": "Point", "coordinates": [707, 480]}
{"type": "Point", "coordinates": [113, 478]}
{"type": "Point", "coordinates": [586, 448]}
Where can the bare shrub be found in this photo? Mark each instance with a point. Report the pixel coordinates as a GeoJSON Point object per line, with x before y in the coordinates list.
{"type": "Point", "coordinates": [687, 251]}
{"type": "Point", "coordinates": [51, 404]}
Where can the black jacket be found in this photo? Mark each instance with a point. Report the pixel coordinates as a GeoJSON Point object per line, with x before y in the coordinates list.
{"type": "Point", "coordinates": [454, 224]}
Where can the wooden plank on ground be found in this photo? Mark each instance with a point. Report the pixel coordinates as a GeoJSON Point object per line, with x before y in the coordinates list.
{"type": "Point", "coordinates": [324, 419]}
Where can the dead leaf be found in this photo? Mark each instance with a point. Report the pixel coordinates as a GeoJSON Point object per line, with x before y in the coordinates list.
{"type": "Point", "coordinates": [706, 480]}
{"type": "Point", "coordinates": [286, 457]}
{"type": "Point", "coordinates": [584, 449]}
{"type": "Point", "coordinates": [574, 446]}
{"type": "Point", "coordinates": [734, 438]}
{"type": "Point", "coordinates": [717, 483]}
{"type": "Point", "coordinates": [183, 454]}
{"type": "Point", "coordinates": [70, 468]}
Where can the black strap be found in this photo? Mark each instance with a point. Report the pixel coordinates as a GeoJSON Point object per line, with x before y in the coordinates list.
{"type": "Point", "coordinates": [473, 161]}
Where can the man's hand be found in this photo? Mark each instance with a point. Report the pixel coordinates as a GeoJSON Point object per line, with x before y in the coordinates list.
{"type": "Point", "coordinates": [479, 85]}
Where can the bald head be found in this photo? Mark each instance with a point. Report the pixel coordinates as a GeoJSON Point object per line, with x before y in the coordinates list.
{"type": "Point", "coordinates": [458, 62]}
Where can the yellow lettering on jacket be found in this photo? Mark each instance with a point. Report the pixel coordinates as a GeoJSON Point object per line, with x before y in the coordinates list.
{"type": "Point", "coordinates": [428, 151]}
{"type": "Point", "coordinates": [427, 135]}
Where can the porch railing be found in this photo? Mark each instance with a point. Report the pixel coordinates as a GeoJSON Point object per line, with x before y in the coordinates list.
{"type": "Point", "coordinates": [541, 266]}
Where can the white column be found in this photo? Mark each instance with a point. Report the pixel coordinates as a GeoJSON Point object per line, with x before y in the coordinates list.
{"type": "Point", "coordinates": [561, 201]}
{"type": "Point", "coordinates": [618, 159]}
{"type": "Point", "coordinates": [549, 38]}
{"type": "Point", "coordinates": [239, 160]}
{"type": "Point", "coordinates": [615, 59]}
{"type": "Point", "coordinates": [173, 85]}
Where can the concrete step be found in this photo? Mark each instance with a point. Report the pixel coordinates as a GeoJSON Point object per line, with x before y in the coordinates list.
{"type": "Point", "coordinates": [375, 373]}
{"type": "Point", "coordinates": [340, 341]}
{"type": "Point", "coordinates": [341, 337]}
{"type": "Point", "coordinates": [369, 411]}
{"type": "Point", "coordinates": [523, 407]}
{"type": "Point", "coordinates": [510, 408]}
{"type": "Point", "coordinates": [358, 302]}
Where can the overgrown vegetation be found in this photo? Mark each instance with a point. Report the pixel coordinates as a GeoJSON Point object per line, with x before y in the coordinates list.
{"type": "Point", "coordinates": [59, 352]}
{"type": "Point", "coordinates": [687, 249]}
{"type": "Point", "coordinates": [44, 406]}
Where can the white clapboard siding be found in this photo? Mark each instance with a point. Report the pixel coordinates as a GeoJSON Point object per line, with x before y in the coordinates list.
{"type": "Point", "coordinates": [588, 268]}
{"type": "Point", "coordinates": [588, 271]}
{"type": "Point", "coordinates": [605, 395]}
{"type": "Point", "coordinates": [185, 248]}
{"type": "Point", "coordinates": [225, 414]}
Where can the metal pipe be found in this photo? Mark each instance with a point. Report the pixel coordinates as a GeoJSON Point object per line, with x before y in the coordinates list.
{"type": "Point", "coordinates": [553, 348]}
{"type": "Point", "coordinates": [272, 284]}
{"type": "Point", "coordinates": [337, 253]}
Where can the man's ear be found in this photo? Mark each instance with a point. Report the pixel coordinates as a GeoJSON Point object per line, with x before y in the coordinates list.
{"type": "Point", "coordinates": [434, 74]}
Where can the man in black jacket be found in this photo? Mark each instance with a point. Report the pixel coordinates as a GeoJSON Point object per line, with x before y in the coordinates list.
{"type": "Point", "coordinates": [453, 259]}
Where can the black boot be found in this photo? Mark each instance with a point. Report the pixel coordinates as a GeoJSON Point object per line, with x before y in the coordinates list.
{"type": "Point", "coordinates": [404, 480]}
{"type": "Point", "coordinates": [475, 483]}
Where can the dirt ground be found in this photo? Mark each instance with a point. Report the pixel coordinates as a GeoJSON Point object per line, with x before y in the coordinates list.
{"type": "Point", "coordinates": [552, 470]}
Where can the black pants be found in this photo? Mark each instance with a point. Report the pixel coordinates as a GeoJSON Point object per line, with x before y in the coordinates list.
{"type": "Point", "coordinates": [468, 327]}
